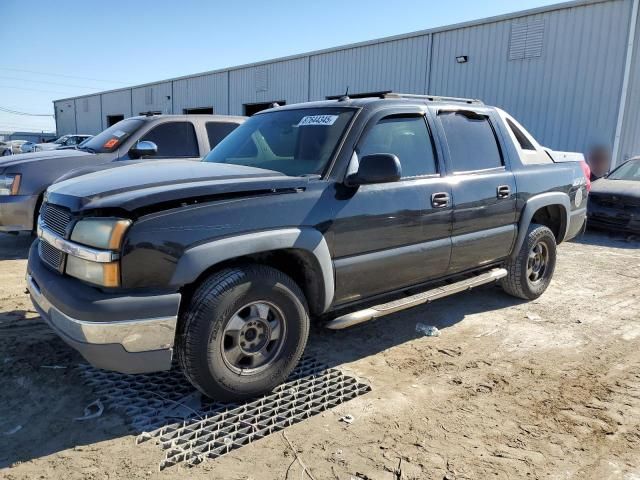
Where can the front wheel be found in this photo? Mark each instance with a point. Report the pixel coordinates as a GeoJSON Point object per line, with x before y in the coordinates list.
{"type": "Point", "coordinates": [243, 332]}
{"type": "Point", "coordinates": [530, 272]}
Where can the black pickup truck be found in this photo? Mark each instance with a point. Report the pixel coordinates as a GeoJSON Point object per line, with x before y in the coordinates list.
{"type": "Point", "coordinates": [339, 210]}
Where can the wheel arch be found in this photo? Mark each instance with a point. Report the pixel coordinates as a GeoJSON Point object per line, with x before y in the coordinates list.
{"type": "Point", "coordinates": [551, 209]}
{"type": "Point", "coordinates": [301, 253]}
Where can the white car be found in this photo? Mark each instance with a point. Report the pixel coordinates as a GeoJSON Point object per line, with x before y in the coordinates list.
{"type": "Point", "coordinates": [15, 145]}
{"type": "Point", "coordinates": [64, 141]}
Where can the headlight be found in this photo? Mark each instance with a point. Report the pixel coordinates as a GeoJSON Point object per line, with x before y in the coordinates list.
{"type": "Point", "coordinates": [10, 184]}
{"type": "Point", "coordinates": [104, 274]}
{"type": "Point", "coordinates": [104, 233]}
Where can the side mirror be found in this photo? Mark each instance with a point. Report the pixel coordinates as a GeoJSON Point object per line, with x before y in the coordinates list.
{"type": "Point", "coordinates": [376, 168]}
{"type": "Point", "coordinates": [143, 148]}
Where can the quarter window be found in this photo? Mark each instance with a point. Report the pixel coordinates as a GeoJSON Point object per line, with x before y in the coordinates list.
{"type": "Point", "coordinates": [174, 140]}
{"type": "Point", "coordinates": [471, 140]}
{"type": "Point", "coordinates": [522, 139]}
{"type": "Point", "coordinates": [408, 138]}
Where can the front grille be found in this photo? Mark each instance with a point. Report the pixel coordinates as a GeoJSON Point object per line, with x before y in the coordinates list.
{"type": "Point", "coordinates": [55, 218]}
{"type": "Point", "coordinates": [51, 255]}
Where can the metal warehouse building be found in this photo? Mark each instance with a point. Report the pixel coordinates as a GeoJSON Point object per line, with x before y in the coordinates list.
{"type": "Point", "coordinates": [569, 72]}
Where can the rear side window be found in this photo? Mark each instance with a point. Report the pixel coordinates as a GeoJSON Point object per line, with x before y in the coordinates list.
{"type": "Point", "coordinates": [408, 138]}
{"type": "Point", "coordinates": [174, 140]}
{"type": "Point", "coordinates": [216, 131]}
{"type": "Point", "coordinates": [522, 139]}
{"type": "Point", "coordinates": [471, 140]}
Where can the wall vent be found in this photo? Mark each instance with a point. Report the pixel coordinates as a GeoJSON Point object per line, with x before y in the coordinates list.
{"type": "Point", "coordinates": [148, 96]}
{"type": "Point", "coordinates": [261, 79]}
{"type": "Point", "coordinates": [527, 40]}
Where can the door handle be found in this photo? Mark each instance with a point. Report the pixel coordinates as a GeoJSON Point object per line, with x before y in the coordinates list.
{"type": "Point", "coordinates": [503, 191]}
{"type": "Point", "coordinates": [440, 200]}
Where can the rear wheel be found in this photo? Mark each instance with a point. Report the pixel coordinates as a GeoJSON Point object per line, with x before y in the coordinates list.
{"type": "Point", "coordinates": [243, 332]}
{"type": "Point", "coordinates": [530, 272]}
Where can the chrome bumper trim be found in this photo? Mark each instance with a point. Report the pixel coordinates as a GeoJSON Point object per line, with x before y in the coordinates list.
{"type": "Point", "coordinates": [75, 249]}
{"type": "Point", "coordinates": [138, 335]}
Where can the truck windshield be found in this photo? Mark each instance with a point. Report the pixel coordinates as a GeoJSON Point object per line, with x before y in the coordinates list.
{"type": "Point", "coordinates": [111, 138]}
{"type": "Point", "coordinates": [627, 171]}
{"type": "Point", "coordinates": [293, 142]}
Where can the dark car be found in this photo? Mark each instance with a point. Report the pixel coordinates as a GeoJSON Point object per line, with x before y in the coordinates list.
{"type": "Point", "coordinates": [26, 176]}
{"type": "Point", "coordinates": [335, 210]}
{"type": "Point", "coordinates": [614, 203]}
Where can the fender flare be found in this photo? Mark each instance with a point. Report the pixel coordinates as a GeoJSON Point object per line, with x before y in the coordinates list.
{"type": "Point", "coordinates": [198, 259]}
{"type": "Point", "coordinates": [532, 206]}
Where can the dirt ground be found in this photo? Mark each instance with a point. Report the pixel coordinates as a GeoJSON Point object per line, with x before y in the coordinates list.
{"type": "Point", "coordinates": [546, 389]}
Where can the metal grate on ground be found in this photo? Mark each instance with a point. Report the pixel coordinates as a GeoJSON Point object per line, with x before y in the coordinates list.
{"type": "Point", "coordinates": [166, 408]}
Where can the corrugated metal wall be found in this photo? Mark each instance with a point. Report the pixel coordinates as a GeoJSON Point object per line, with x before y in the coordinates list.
{"type": "Point", "coordinates": [203, 91]}
{"type": "Point", "coordinates": [568, 97]}
{"type": "Point", "coordinates": [630, 138]}
{"type": "Point", "coordinates": [116, 103]}
{"type": "Point", "coordinates": [65, 111]}
{"type": "Point", "coordinates": [152, 98]}
{"type": "Point", "coordinates": [88, 115]}
{"type": "Point", "coordinates": [558, 70]}
{"type": "Point", "coordinates": [399, 65]}
{"type": "Point", "coordinates": [286, 80]}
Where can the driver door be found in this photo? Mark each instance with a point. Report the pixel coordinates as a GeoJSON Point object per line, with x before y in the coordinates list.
{"type": "Point", "coordinates": [392, 235]}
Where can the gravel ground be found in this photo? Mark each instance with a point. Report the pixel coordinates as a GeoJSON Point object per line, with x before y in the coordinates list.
{"type": "Point", "coordinates": [545, 389]}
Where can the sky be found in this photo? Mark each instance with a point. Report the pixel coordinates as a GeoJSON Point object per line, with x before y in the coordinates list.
{"type": "Point", "coordinates": [63, 48]}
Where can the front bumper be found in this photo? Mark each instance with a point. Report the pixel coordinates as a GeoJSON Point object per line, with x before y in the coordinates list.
{"type": "Point", "coordinates": [615, 219]}
{"type": "Point", "coordinates": [128, 333]}
{"type": "Point", "coordinates": [17, 212]}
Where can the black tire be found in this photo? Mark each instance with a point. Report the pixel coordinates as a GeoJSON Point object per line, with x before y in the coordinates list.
{"type": "Point", "coordinates": [520, 280]}
{"type": "Point", "coordinates": [204, 341]}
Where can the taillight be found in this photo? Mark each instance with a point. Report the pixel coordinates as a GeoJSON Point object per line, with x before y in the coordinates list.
{"type": "Point", "coordinates": [587, 174]}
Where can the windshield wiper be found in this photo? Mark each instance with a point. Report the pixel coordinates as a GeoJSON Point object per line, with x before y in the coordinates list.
{"type": "Point", "coordinates": [87, 149]}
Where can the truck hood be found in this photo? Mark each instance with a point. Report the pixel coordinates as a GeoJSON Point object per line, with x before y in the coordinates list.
{"type": "Point", "coordinates": [164, 184]}
{"type": "Point", "coordinates": [23, 158]}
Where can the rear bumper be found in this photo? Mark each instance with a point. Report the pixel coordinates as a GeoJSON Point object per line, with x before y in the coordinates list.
{"type": "Point", "coordinates": [124, 333]}
{"type": "Point", "coordinates": [16, 212]}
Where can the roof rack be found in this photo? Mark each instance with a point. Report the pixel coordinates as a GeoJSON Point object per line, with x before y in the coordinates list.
{"type": "Point", "coordinates": [433, 98]}
{"type": "Point", "coordinates": [392, 94]}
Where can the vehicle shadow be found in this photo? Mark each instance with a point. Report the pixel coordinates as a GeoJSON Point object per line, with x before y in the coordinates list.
{"type": "Point", "coordinates": [370, 338]}
{"type": "Point", "coordinates": [601, 238]}
{"type": "Point", "coordinates": [15, 247]}
{"type": "Point", "coordinates": [43, 390]}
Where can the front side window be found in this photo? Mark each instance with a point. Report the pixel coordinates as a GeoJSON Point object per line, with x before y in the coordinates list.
{"type": "Point", "coordinates": [406, 137]}
{"type": "Point", "coordinates": [471, 140]}
{"type": "Point", "coordinates": [294, 142]}
{"type": "Point", "coordinates": [174, 140]}
{"type": "Point", "coordinates": [110, 139]}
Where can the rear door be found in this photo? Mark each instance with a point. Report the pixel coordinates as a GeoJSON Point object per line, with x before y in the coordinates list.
{"type": "Point", "coordinates": [217, 131]}
{"type": "Point", "coordinates": [483, 187]}
{"type": "Point", "coordinates": [388, 236]}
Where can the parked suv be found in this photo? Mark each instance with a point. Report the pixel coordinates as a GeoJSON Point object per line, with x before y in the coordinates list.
{"type": "Point", "coordinates": [23, 179]}
{"type": "Point", "coordinates": [338, 210]}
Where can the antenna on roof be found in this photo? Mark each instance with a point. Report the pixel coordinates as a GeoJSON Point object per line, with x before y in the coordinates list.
{"type": "Point", "coordinates": [345, 97]}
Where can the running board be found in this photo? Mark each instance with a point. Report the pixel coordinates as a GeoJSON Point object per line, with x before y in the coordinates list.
{"type": "Point", "coordinates": [378, 311]}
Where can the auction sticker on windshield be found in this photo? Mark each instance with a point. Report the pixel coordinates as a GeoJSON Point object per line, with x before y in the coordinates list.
{"type": "Point", "coordinates": [318, 120]}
